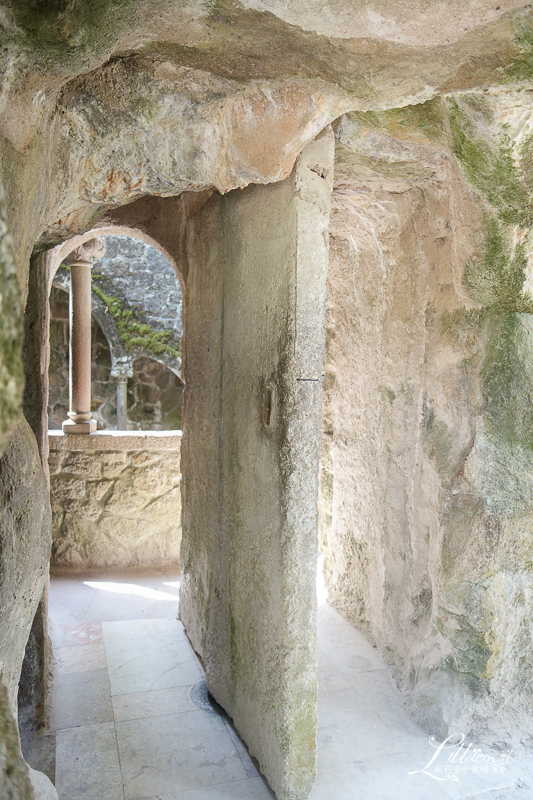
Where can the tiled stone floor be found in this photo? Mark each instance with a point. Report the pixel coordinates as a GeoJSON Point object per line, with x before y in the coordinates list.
{"type": "Point", "coordinates": [127, 729]}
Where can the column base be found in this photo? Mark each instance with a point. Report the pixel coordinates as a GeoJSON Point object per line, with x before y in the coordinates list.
{"type": "Point", "coordinates": [79, 427]}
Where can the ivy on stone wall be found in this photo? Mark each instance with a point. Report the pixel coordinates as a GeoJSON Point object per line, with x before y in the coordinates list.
{"type": "Point", "coordinates": [135, 333]}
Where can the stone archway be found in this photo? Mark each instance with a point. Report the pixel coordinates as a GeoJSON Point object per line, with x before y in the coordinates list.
{"type": "Point", "coordinates": [253, 269]}
{"type": "Point", "coordinates": [136, 301]}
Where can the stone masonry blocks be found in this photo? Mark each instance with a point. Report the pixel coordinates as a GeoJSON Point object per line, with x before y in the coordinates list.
{"type": "Point", "coordinates": [115, 500]}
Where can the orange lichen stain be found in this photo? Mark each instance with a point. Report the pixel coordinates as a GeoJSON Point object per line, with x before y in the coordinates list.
{"type": "Point", "coordinates": [268, 127]}
{"type": "Point", "coordinates": [118, 186]}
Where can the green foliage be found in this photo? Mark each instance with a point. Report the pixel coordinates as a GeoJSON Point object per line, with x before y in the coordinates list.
{"type": "Point", "coordinates": [134, 333]}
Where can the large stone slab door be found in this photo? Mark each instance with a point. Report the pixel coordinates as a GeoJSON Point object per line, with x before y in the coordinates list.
{"type": "Point", "coordinates": [253, 354]}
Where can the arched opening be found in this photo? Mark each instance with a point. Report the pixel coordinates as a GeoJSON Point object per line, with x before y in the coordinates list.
{"type": "Point", "coordinates": [430, 535]}
{"type": "Point", "coordinates": [252, 302]}
{"type": "Point", "coordinates": [103, 390]}
{"type": "Point", "coordinates": [136, 339]}
{"type": "Point", "coordinates": [154, 534]}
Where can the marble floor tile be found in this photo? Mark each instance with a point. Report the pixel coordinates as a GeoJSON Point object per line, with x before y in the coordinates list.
{"type": "Point", "coordinates": [170, 750]}
{"type": "Point", "coordinates": [251, 789]}
{"type": "Point", "coordinates": [379, 778]}
{"type": "Point", "coordinates": [76, 633]}
{"type": "Point", "coordinates": [346, 648]}
{"type": "Point", "coordinates": [176, 752]}
{"type": "Point", "coordinates": [87, 764]}
{"type": "Point", "coordinates": [329, 677]}
{"type": "Point", "coordinates": [377, 689]}
{"type": "Point", "coordinates": [468, 779]}
{"type": "Point", "coordinates": [152, 704]}
{"type": "Point", "coordinates": [69, 600]}
{"type": "Point", "coordinates": [81, 698]}
{"type": "Point", "coordinates": [83, 658]}
{"type": "Point", "coordinates": [142, 629]}
{"type": "Point", "coordinates": [249, 766]}
{"type": "Point", "coordinates": [348, 730]}
{"type": "Point", "coordinates": [145, 665]}
{"type": "Point", "coordinates": [130, 600]}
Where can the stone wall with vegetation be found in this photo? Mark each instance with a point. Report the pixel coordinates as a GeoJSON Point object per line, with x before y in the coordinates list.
{"type": "Point", "coordinates": [143, 280]}
{"type": "Point", "coordinates": [154, 390]}
{"type": "Point", "coordinates": [426, 502]}
{"type": "Point", "coordinates": [115, 500]}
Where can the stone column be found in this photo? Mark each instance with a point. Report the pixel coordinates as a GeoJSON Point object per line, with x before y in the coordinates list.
{"type": "Point", "coordinates": [80, 263]}
{"type": "Point", "coordinates": [121, 371]}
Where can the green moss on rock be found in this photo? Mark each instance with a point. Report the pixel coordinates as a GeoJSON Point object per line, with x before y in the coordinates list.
{"type": "Point", "coordinates": [507, 374]}
{"type": "Point", "coordinates": [521, 66]}
{"type": "Point", "coordinates": [496, 279]}
{"type": "Point", "coordinates": [408, 122]}
{"type": "Point", "coordinates": [64, 30]}
{"type": "Point", "coordinates": [471, 653]}
{"type": "Point", "coordinates": [488, 164]}
{"type": "Point", "coordinates": [11, 335]}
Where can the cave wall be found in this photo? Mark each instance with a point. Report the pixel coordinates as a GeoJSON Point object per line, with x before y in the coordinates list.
{"type": "Point", "coordinates": [99, 110]}
{"type": "Point", "coordinates": [25, 545]}
{"type": "Point", "coordinates": [25, 535]}
{"type": "Point", "coordinates": [425, 500]}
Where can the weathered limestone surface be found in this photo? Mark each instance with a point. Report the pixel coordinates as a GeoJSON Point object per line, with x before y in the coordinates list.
{"type": "Point", "coordinates": [115, 500]}
{"type": "Point", "coordinates": [221, 96]}
{"type": "Point", "coordinates": [25, 545]}
{"type": "Point", "coordinates": [218, 96]}
{"type": "Point", "coordinates": [14, 779]}
{"type": "Point", "coordinates": [25, 536]}
{"type": "Point", "coordinates": [254, 351]}
{"type": "Point", "coordinates": [43, 788]}
{"type": "Point", "coordinates": [426, 500]}
{"type": "Point", "coordinates": [429, 439]}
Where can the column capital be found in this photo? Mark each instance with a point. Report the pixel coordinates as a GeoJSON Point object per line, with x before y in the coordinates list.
{"type": "Point", "coordinates": [85, 253]}
{"type": "Point", "coordinates": [122, 369]}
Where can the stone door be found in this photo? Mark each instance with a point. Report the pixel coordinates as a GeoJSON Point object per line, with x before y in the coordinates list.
{"type": "Point", "coordinates": [253, 354]}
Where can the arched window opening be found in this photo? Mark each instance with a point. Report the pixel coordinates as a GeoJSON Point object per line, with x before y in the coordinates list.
{"type": "Point", "coordinates": [136, 319]}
